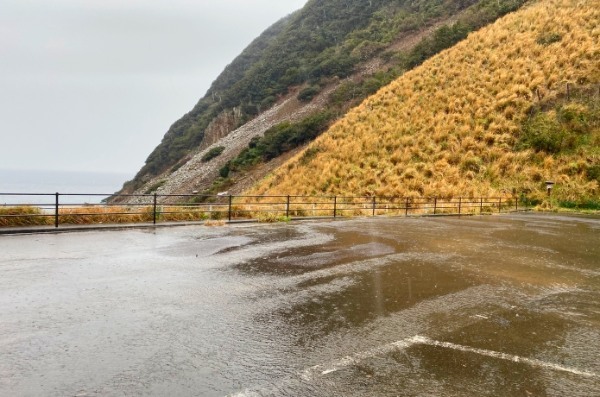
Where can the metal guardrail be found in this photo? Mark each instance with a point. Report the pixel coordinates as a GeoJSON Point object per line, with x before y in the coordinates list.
{"type": "Point", "coordinates": [151, 208]}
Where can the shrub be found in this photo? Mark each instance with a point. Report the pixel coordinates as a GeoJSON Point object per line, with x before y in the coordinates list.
{"type": "Point", "coordinates": [575, 117]}
{"type": "Point", "coordinates": [548, 38]}
{"type": "Point", "coordinates": [307, 94]}
{"type": "Point", "coordinates": [224, 171]}
{"type": "Point", "coordinates": [543, 133]}
{"type": "Point", "coordinates": [309, 154]}
{"type": "Point", "coordinates": [154, 187]}
{"type": "Point", "coordinates": [471, 164]}
{"type": "Point", "coordinates": [565, 127]}
{"type": "Point", "coordinates": [212, 153]}
{"type": "Point", "coordinates": [216, 215]}
{"type": "Point", "coordinates": [583, 205]}
{"type": "Point", "coordinates": [593, 173]}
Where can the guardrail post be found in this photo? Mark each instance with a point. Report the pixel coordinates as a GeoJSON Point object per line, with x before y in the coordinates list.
{"type": "Point", "coordinates": [459, 204]}
{"type": "Point", "coordinates": [406, 207]}
{"type": "Point", "coordinates": [287, 207]}
{"type": "Point", "coordinates": [229, 207]}
{"type": "Point", "coordinates": [334, 206]}
{"type": "Point", "coordinates": [154, 209]}
{"type": "Point", "coordinates": [481, 206]}
{"type": "Point", "coordinates": [516, 204]}
{"type": "Point", "coordinates": [434, 205]}
{"type": "Point", "coordinates": [374, 204]}
{"type": "Point", "coordinates": [56, 204]}
{"type": "Point", "coordinates": [500, 205]}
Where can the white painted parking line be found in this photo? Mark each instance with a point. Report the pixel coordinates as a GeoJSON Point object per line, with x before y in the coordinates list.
{"type": "Point", "coordinates": [503, 356]}
{"type": "Point", "coordinates": [317, 371]}
{"type": "Point", "coordinates": [358, 357]}
{"type": "Point", "coordinates": [321, 370]}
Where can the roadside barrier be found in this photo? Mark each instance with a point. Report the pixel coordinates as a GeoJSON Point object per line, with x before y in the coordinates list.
{"type": "Point", "coordinates": [63, 209]}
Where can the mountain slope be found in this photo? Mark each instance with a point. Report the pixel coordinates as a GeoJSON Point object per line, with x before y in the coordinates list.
{"type": "Point", "coordinates": [327, 56]}
{"type": "Point", "coordinates": [493, 114]}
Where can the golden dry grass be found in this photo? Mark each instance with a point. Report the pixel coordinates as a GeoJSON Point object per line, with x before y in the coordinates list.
{"type": "Point", "coordinates": [102, 214]}
{"type": "Point", "coordinates": [85, 215]}
{"type": "Point", "coordinates": [449, 127]}
{"type": "Point", "coordinates": [23, 216]}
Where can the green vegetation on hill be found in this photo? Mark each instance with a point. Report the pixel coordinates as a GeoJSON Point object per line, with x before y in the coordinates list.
{"type": "Point", "coordinates": [277, 140]}
{"type": "Point", "coordinates": [565, 132]}
{"type": "Point", "coordinates": [562, 129]}
{"type": "Point", "coordinates": [324, 39]}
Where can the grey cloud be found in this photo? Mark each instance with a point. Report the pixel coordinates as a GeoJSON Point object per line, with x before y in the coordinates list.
{"type": "Point", "coordinates": [83, 81]}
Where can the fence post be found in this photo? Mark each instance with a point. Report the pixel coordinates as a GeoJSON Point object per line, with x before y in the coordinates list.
{"type": "Point", "coordinates": [481, 206]}
{"type": "Point", "coordinates": [56, 209]}
{"type": "Point", "coordinates": [334, 206]}
{"type": "Point", "coordinates": [154, 209]}
{"type": "Point", "coordinates": [459, 204]}
{"type": "Point", "coordinates": [229, 208]}
{"type": "Point", "coordinates": [374, 204]}
{"type": "Point", "coordinates": [406, 207]}
{"type": "Point", "coordinates": [516, 204]}
{"type": "Point", "coordinates": [500, 205]}
{"type": "Point", "coordinates": [287, 207]}
{"type": "Point", "coordinates": [434, 205]}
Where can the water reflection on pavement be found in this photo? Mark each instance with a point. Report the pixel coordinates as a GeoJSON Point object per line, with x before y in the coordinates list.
{"type": "Point", "coordinates": [497, 305]}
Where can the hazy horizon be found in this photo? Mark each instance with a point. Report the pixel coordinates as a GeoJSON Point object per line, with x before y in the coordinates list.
{"type": "Point", "coordinates": [64, 182]}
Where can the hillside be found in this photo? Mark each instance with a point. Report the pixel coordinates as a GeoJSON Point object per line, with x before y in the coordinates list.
{"type": "Point", "coordinates": [513, 105]}
{"type": "Point", "coordinates": [298, 77]}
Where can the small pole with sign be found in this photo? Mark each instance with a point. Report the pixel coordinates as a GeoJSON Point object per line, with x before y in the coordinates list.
{"type": "Point", "coordinates": [549, 185]}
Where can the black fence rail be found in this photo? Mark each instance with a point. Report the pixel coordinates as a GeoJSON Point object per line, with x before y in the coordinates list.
{"type": "Point", "coordinates": [28, 209]}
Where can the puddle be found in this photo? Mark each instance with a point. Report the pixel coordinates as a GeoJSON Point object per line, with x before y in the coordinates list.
{"type": "Point", "coordinates": [380, 292]}
{"type": "Point", "coordinates": [345, 247]}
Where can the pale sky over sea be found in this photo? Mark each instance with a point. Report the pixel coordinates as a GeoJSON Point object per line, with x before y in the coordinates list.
{"type": "Point", "coordinates": [93, 85]}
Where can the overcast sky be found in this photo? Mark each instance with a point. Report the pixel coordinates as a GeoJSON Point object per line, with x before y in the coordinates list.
{"type": "Point", "coordinates": [93, 85]}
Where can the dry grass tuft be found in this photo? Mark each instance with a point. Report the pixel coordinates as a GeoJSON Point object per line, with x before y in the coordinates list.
{"type": "Point", "coordinates": [23, 216]}
{"type": "Point", "coordinates": [214, 223]}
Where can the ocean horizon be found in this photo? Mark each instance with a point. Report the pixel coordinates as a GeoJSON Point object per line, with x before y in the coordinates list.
{"type": "Point", "coordinates": [93, 186]}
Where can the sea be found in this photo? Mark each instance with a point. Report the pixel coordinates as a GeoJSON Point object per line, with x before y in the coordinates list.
{"type": "Point", "coordinates": [39, 187]}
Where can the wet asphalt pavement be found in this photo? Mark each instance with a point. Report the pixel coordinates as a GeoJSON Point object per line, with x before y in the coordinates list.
{"type": "Point", "coordinates": [477, 306]}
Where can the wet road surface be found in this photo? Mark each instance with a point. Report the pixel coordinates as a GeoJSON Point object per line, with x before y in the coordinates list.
{"type": "Point", "coordinates": [488, 306]}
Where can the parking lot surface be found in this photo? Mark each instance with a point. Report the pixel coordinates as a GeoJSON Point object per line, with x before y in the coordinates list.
{"type": "Point", "coordinates": [492, 306]}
